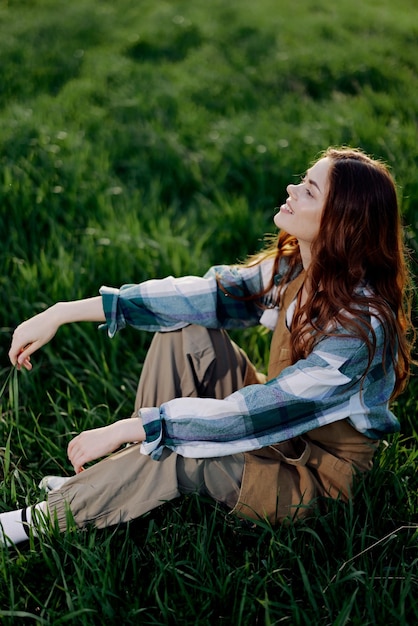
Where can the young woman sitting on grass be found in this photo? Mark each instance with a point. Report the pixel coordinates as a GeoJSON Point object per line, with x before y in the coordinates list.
{"type": "Point", "coordinates": [332, 289]}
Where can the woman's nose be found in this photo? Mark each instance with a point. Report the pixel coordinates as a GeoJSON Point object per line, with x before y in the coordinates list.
{"type": "Point", "coordinates": [291, 190]}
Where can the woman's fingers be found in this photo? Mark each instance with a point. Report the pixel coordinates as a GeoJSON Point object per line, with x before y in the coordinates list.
{"type": "Point", "coordinates": [24, 362]}
{"type": "Point", "coordinates": [76, 454]}
{"type": "Point", "coordinates": [21, 349]}
{"type": "Point", "coordinates": [23, 358]}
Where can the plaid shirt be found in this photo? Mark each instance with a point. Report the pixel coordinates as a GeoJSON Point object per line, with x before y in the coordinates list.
{"type": "Point", "coordinates": [318, 390]}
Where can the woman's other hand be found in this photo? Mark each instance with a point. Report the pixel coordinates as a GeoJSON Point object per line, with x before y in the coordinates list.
{"type": "Point", "coordinates": [98, 442]}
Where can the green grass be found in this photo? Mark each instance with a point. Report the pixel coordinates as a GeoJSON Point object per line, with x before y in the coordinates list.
{"type": "Point", "coordinates": [139, 139]}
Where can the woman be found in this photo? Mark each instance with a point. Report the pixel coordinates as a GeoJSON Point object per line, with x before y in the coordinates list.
{"type": "Point", "coordinates": [333, 290]}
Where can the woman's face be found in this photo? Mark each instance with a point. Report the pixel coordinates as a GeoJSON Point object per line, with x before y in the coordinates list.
{"type": "Point", "coordinates": [301, 214]}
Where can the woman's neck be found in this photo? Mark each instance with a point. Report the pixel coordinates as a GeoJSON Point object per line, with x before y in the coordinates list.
{"type": "Point", "coordinates": [305, 254]}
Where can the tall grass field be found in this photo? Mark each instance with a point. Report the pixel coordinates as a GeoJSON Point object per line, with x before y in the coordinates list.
{"type": "Point", "coordinates": [141, 138]}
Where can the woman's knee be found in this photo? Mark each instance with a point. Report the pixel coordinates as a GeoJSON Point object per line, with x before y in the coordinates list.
{"type": "Point", "coordinates": [220, 478]}
{"type": "Point", "coordinates": [191, 362]}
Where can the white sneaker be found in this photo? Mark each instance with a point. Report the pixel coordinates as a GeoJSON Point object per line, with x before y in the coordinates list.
{"type": "Point", "coordinates": [49, 483]}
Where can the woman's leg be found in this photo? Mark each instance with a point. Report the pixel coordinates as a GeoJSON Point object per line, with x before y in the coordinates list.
{"type": "Point", "coordinates": [128, 484]}
{"type": "Point", "coordinates": [117, 489]}
{"type": "Point", "coordinates": [191, 362]}
{"type": "Point", "coordinates": [198, 362]}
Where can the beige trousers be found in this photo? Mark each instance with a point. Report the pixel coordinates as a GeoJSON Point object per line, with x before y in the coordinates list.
{"type": "Point", "coordinates": [193, 362]}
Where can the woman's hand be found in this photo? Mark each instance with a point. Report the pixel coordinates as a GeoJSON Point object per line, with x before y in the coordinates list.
{"type": "Point", "coordinates": [93, 444]}
{"type": "Point", "coordinates": [31, 335]}
{"type": "Point", "coordinates": [38, 330]}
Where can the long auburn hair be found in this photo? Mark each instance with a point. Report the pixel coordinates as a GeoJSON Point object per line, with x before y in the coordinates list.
{"type": "Point", "coordinates": [360, 240]}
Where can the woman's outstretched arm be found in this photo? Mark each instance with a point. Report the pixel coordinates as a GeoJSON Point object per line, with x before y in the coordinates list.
{"type": "Point", "coordinates": [38, 330]}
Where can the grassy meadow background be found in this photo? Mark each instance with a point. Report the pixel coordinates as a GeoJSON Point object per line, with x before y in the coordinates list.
{"type": "Point", "coordinates": [142, 138]}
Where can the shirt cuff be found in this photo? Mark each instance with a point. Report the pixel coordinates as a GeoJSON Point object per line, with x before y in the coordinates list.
{"type": "Point", "coordinates": [110, 297]}
{"type": "Point", "coordinates": [151, 421]}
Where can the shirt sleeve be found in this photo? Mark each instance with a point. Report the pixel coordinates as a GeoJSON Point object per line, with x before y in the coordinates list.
{"type": "Point", "coordinates": [321, 389]}
{"type": "Point", "coordinates": [171, 303]}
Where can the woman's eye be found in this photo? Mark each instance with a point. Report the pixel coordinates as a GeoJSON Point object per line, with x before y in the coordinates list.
{"type": "Point", "coordinates": [303, 181]}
